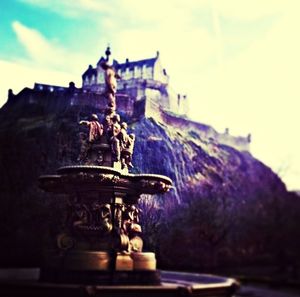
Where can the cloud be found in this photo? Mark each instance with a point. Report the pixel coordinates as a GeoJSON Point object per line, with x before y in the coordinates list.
{"type": "Point", "coordinates": [20, 74]}
{"type": "Point", "coordinates": [47, 62]}
{"type": "Point", "coordinates": [157, 10]}
{"type": "Point", "coordinates": [136, 12]}
{"type": "Point", "coordinates": [36, 45]}
{"type": "Point", "coordinates": [72, 9]}
{"type": "Point", "coordinates": [247, 10]}
{"type": "Point", "coordinates": [46, 53]}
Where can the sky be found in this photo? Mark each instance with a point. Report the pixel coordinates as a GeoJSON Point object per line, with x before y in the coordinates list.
{"type": "Point", "coordinates": [238, 61]}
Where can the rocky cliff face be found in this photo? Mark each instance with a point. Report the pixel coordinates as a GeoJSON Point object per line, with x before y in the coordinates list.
{"type": "Point", "coordinates": [221, 197]}
{"type": "Point", "coordinates": [192, 161]}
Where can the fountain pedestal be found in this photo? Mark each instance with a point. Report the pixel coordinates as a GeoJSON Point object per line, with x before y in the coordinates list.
{"type": "Point", "coordinates": [101, 238]}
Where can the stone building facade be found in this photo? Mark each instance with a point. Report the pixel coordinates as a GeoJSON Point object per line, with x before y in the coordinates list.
{"type": "Point", "coordinates": [143, 80]}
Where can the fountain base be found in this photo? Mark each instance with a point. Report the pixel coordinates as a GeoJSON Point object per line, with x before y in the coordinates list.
{"type": "Point", "coordinates": [99, 267]}
{"type": "Point", "coordinates": [101, 278]}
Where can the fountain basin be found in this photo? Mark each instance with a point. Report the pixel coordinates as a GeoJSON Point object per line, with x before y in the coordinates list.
{"type": "Point", "coordinates": [25, 282]}
{"type": "Point", "coordinates": [107, 180]}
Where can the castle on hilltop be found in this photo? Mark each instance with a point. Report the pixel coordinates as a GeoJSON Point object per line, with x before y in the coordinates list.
{"type": "Point", "coordinates": [143, 91]}
{"type": "Point", "coordinates": [142, 80]}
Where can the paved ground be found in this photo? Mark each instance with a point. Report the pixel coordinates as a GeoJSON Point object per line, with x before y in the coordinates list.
{"type": "Point", "coordinates": [245, 290]}
{"type": "Point", "coordinates": [256, 291]}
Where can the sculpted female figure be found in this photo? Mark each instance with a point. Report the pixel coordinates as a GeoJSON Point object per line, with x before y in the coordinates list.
{"type": "Point", "coordinates": [110, 77]}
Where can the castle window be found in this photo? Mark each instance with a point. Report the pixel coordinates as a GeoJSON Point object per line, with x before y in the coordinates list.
{"type": "Point", "coordinates": [127, 74]}
{"type": "Point", "coordinates": [150, 72]}
{"type": "Point", "coordinates": [100, 77]}
{"type": "Point", "coordinates": [119, 72]}
{"type": "Point", "coordinates": [137, 72]}
{"type": "Point", "coordinates": [144, 71]}
{"type": "Point", "coordinates": [147, 72]}
{"type": "Point", "coordinates": [131, 74]}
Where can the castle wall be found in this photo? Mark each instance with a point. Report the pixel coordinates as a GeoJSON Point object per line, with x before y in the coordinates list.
{"type": "Point", "coordinates": [242, 143]}
{"type": "Point", "coordinates": [55, 99]}
{"type": "Point", "coordinates": [152, 109]}
{"type": "Point", "coordinates": [182, 104]}
{"type": "Point", "coordinates": [206, 132]}
{"type": "Point", "coordinates": [159, 74]}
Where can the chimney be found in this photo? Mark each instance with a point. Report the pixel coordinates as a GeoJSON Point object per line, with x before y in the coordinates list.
{"type": "Point", "coordinates": [10, 94]}
{"type": "Point", "coordinates": [107, 53]}
{"type": "Point", "coordinates": [71, 85]}
{"type": "Point", "coordinates": [71, 88]}
{"type": "Point", "coordinates": [249, 136]}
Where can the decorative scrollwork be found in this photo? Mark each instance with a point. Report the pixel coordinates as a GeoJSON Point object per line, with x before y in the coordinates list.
{"type": "Point", "coordinates": [155, 185]}
{"type": "Point", "coordinates": [98, 219]}
{"type": "Point", "coordinates": [99, 178]}
{"type": "Point", "coordinates": [65, 241]}
{"type": "Point", "coordinates": [90, 218]}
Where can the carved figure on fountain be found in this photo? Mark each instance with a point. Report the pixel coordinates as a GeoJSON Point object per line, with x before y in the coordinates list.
{"type": "Point", "coordinates": [95, 128]}
{"type": "Point", "coordinates": [89, 154]}
{"type": "Point", "coordinates": [114, 131]}
{"type": "Point", "coordinates": [127, 145]}
{"type": "Point", "coordinates": [133, 228]}
{"type": "Point", "coordinates": [110, 78]}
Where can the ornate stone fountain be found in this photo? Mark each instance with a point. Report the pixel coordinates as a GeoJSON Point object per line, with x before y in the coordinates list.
{"type": "Point", "coordinates": [101, 239]}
